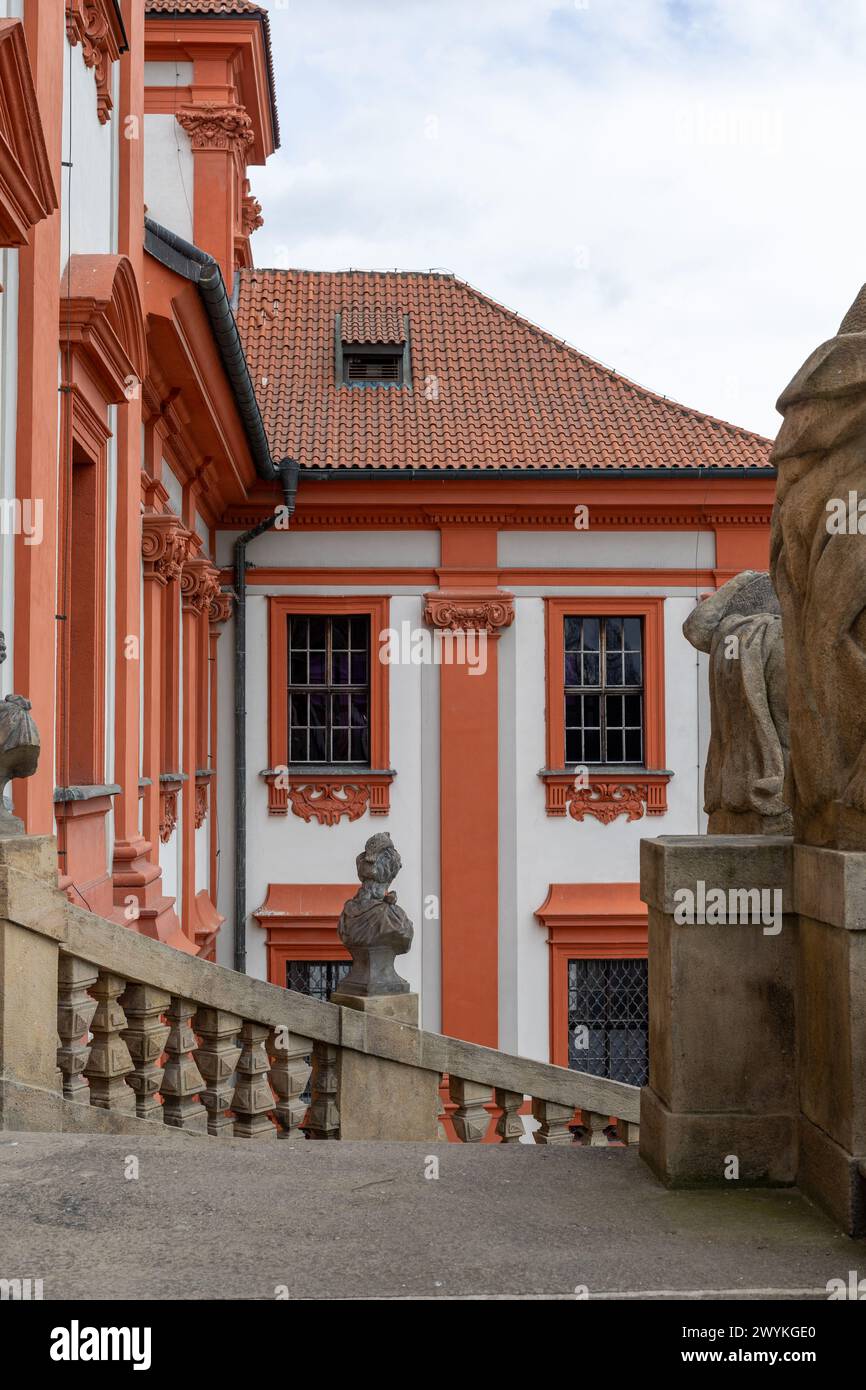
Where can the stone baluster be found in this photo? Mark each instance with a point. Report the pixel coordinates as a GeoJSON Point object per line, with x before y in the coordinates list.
{"type": "Point", "coordinates": [145, 1037]}
{"type": "Point", "coordinates": [75, 1010]}
{"type": "Point", "coordinates": [253, 1099]}
{"type": "Point", "coordinates": [290, 1071]}
{"type": "Point", "coordinates": [553, 1122]}
{"type": "Point", "coordinates": [109, 1062]}
{"type": "Point", "coordinates": [628, 1132]}
{"type": "Point", "coordinates": [509, 1126]}
{"type": "Point", "coordinates": [183, 1082]}
{"type": "Point", "coordinates": [323, 1116]}
{"type": "Point", "coordinates": [594, 1125]}
{"type": "Point", "coordinates": [217, 1058]}
{"type": "Point", "coordinates": [470, 1119]}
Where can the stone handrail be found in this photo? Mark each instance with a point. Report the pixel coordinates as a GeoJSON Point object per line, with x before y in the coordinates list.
{"type": "Point", "coordinates": [148, 1033]}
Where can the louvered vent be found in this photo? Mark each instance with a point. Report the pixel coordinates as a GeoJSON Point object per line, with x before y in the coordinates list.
{"type": "Point", "coordinates": [374, 367]}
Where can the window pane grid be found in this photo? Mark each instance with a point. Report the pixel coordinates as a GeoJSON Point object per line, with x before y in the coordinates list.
{"type": "Point", "coordinates": [603, 690]}
{"type": "Point", "coordinates": [329, 689]}
{"type": "Point", "coordinates": [608, 1019]}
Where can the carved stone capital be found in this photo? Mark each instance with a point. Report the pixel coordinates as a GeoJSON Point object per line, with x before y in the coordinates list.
{"type": "Point", "coordinates": [164, 546]}
{"type": "Point", "coordinates": [470, 612]}
{"type": "Point", "coordinates": [199, 584]}
{"type": "Point", "coordinates": [220, 607]}
{"type": "Point", "coordinates": [213, 126]}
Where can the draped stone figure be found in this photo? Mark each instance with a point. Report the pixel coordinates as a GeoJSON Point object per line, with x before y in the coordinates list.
{"type": "Point", "coordinates": [372, 927]}
{"type": "Point", "coordinates": [740, 628]}
{"type": "Point", "coordinates": [818, 564]}
{"type": "Point", "coordinates": [19, 748]}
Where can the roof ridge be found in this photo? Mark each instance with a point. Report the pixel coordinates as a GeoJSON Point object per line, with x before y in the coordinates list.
{"type": "Point", "coordinates": [594, 362]}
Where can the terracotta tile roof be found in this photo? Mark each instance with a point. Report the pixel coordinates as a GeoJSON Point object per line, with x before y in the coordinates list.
{"type": "Point", "coordinates": [490, 389]}
{"type": "Point", "coordinates": [227, 8]}
{"type": "Point", "coordinates": [366, 323]}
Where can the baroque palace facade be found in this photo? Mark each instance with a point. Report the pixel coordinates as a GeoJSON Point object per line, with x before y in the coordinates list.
{"type": "Point", "coordinates": [463, 627]}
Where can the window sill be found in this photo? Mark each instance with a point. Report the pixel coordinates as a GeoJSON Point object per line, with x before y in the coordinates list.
{"type": "Point", "coordinates": [607, 792]}
{"type": "Point", "coordinates": [327, 794]}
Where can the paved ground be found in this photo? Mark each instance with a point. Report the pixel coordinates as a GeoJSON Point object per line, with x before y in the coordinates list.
{"type": "Point", "coordinates": [229, 1219]}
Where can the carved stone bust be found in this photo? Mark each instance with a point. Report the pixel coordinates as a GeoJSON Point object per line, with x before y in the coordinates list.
{"type": "Point", "coordinates": [818, 564]}
{"type": "Point", "coordinates": [372, 927]}
{"type": "Point", "coordinates": [19, 748]}
{"type": "Point", "coordinates": [740, 627]}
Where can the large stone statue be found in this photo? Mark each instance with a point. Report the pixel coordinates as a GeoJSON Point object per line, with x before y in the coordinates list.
{"type": "Point", "coordinates": [19, 748]}
{"type": "Point", "coordinates": [372, 927]}
{"type": "Point", "coordinates": [818, 563]}
{"type": "Point", "coordinates": [741, 629]}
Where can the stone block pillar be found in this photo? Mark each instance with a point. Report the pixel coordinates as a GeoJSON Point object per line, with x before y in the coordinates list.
{"type": "Point", "coordinates": [830, 898]}
{"type": "Point", "coordinates": [378, 1098]}
{"type": "Point", "coordinates": [722, 1093]}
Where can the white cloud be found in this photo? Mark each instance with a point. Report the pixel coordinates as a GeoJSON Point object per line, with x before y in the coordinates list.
{"type": "Point", "coordinates": [677, 188]}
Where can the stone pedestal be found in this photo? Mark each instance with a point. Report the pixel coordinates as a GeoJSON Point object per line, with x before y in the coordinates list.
{"type": "Point", "coordinates": [830, 898]}
{"type": "Point", "coordinates": [722, 1046]}
{"type": "Point", "coordinates": [380, 1099]}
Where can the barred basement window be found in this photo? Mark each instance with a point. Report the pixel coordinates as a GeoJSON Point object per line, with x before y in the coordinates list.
{"type": "Point", "coordinates": [329, 690]}
{"type": "Point", "coordinates": [603, 690]}
{"type": "Point", "coordinates": [608, 1019]}
{"type": "Point", "coordinates": [317, 978]}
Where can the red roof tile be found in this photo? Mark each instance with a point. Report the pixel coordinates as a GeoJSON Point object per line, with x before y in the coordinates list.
{"type": "Point", "coordinates": [489, 388]}
{"type": "Point", "coordinates": [366, 323]}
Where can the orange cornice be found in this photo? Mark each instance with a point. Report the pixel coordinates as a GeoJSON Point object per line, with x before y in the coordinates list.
{"type": "Point", "coordinates": [27, 192]}
{"type": "Point", "coordinates": [229, 64]}
{"type": "Point", "coordinates": [528, 504]}
{"type": "Point", "coordinates": [201, 412]}
{"type": "Point", "coordinates": [416, 577]}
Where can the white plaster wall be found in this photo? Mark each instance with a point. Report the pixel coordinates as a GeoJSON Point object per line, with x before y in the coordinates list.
{"type": "Point", "coordinates": [202, 856]}
{"type": "Point", "coordinates": [170, 74]}
{"type": "Point", "coordinates": [537, 849]}
{"type": "Point", "coordinates": [608, 549]}
{"type": "Point", "coordinates": [342, 549]}
{"type": "Point", "coordinates": [169, 855]}
{"type": "Point", "coordinates": [168, 173]}
{"type": "Point", "coordinates": [88, 189]}
{"type": "Point", "coordinates": [173, 487]}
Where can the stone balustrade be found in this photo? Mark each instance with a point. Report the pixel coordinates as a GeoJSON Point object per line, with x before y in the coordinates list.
{"type": "Point", "coordinates": [102, 1028]}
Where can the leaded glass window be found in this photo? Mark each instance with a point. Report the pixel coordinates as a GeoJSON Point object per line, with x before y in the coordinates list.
{"type": "Point", "coordinates": [329, 689]}
{"type": "Point", "coordinates": [318, 978]}
{"type": "Point", "coordinates": [603, 690]}
{"type": "Point", "coordinates": [608, 1019]}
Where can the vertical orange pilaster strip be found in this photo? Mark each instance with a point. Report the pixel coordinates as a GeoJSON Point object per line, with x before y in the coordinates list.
{"type": "Point", "coordinates": [39, 269]}
{"type": "Point", "coordinates": [130, 848]}
{"type": "Point", "coordinates": [468, 599]}
{"type": "Point", "coordinates": [152, 656]}
{"type": "Point", "coordinates": [191, 620]}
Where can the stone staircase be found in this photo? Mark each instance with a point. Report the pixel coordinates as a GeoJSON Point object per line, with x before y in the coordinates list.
{"type": "Point", "coordinates": [105, 1030]}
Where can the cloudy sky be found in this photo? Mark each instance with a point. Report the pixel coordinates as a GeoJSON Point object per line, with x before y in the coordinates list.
{"type": "Point", "coordinates": [675, 186]}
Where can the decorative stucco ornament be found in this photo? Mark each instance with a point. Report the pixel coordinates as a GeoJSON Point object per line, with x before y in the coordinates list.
{"type": "Point", "coordinates": [740, 627]}
{"type": "Point", "coordinates": [372, 927]}
{"type": "Point", "coordinates": [19, 748]}
{"type": "Point", "coordinates": [818, 564]}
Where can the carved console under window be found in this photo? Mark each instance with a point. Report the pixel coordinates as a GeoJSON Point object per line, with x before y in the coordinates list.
{"type": "Point", "coordinates": [170, 784]}
{"type": "Point", "coordinates": [96, 25]}
{"type": "Point", "coordinates": [607, 794]}
{"type": "Point", "coordinates": [328, 797]}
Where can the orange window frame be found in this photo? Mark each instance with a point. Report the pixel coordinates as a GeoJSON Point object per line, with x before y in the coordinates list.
{"type": "Point", "coordinates": [648, 607]}
{"type": "Point", "coordinates": [375, 606]}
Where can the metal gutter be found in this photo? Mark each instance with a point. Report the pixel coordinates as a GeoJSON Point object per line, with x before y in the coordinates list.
{"type": "Point", "coordinates": [203, 271]}
{"type": "Point", "coordinates": [324, 475]}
